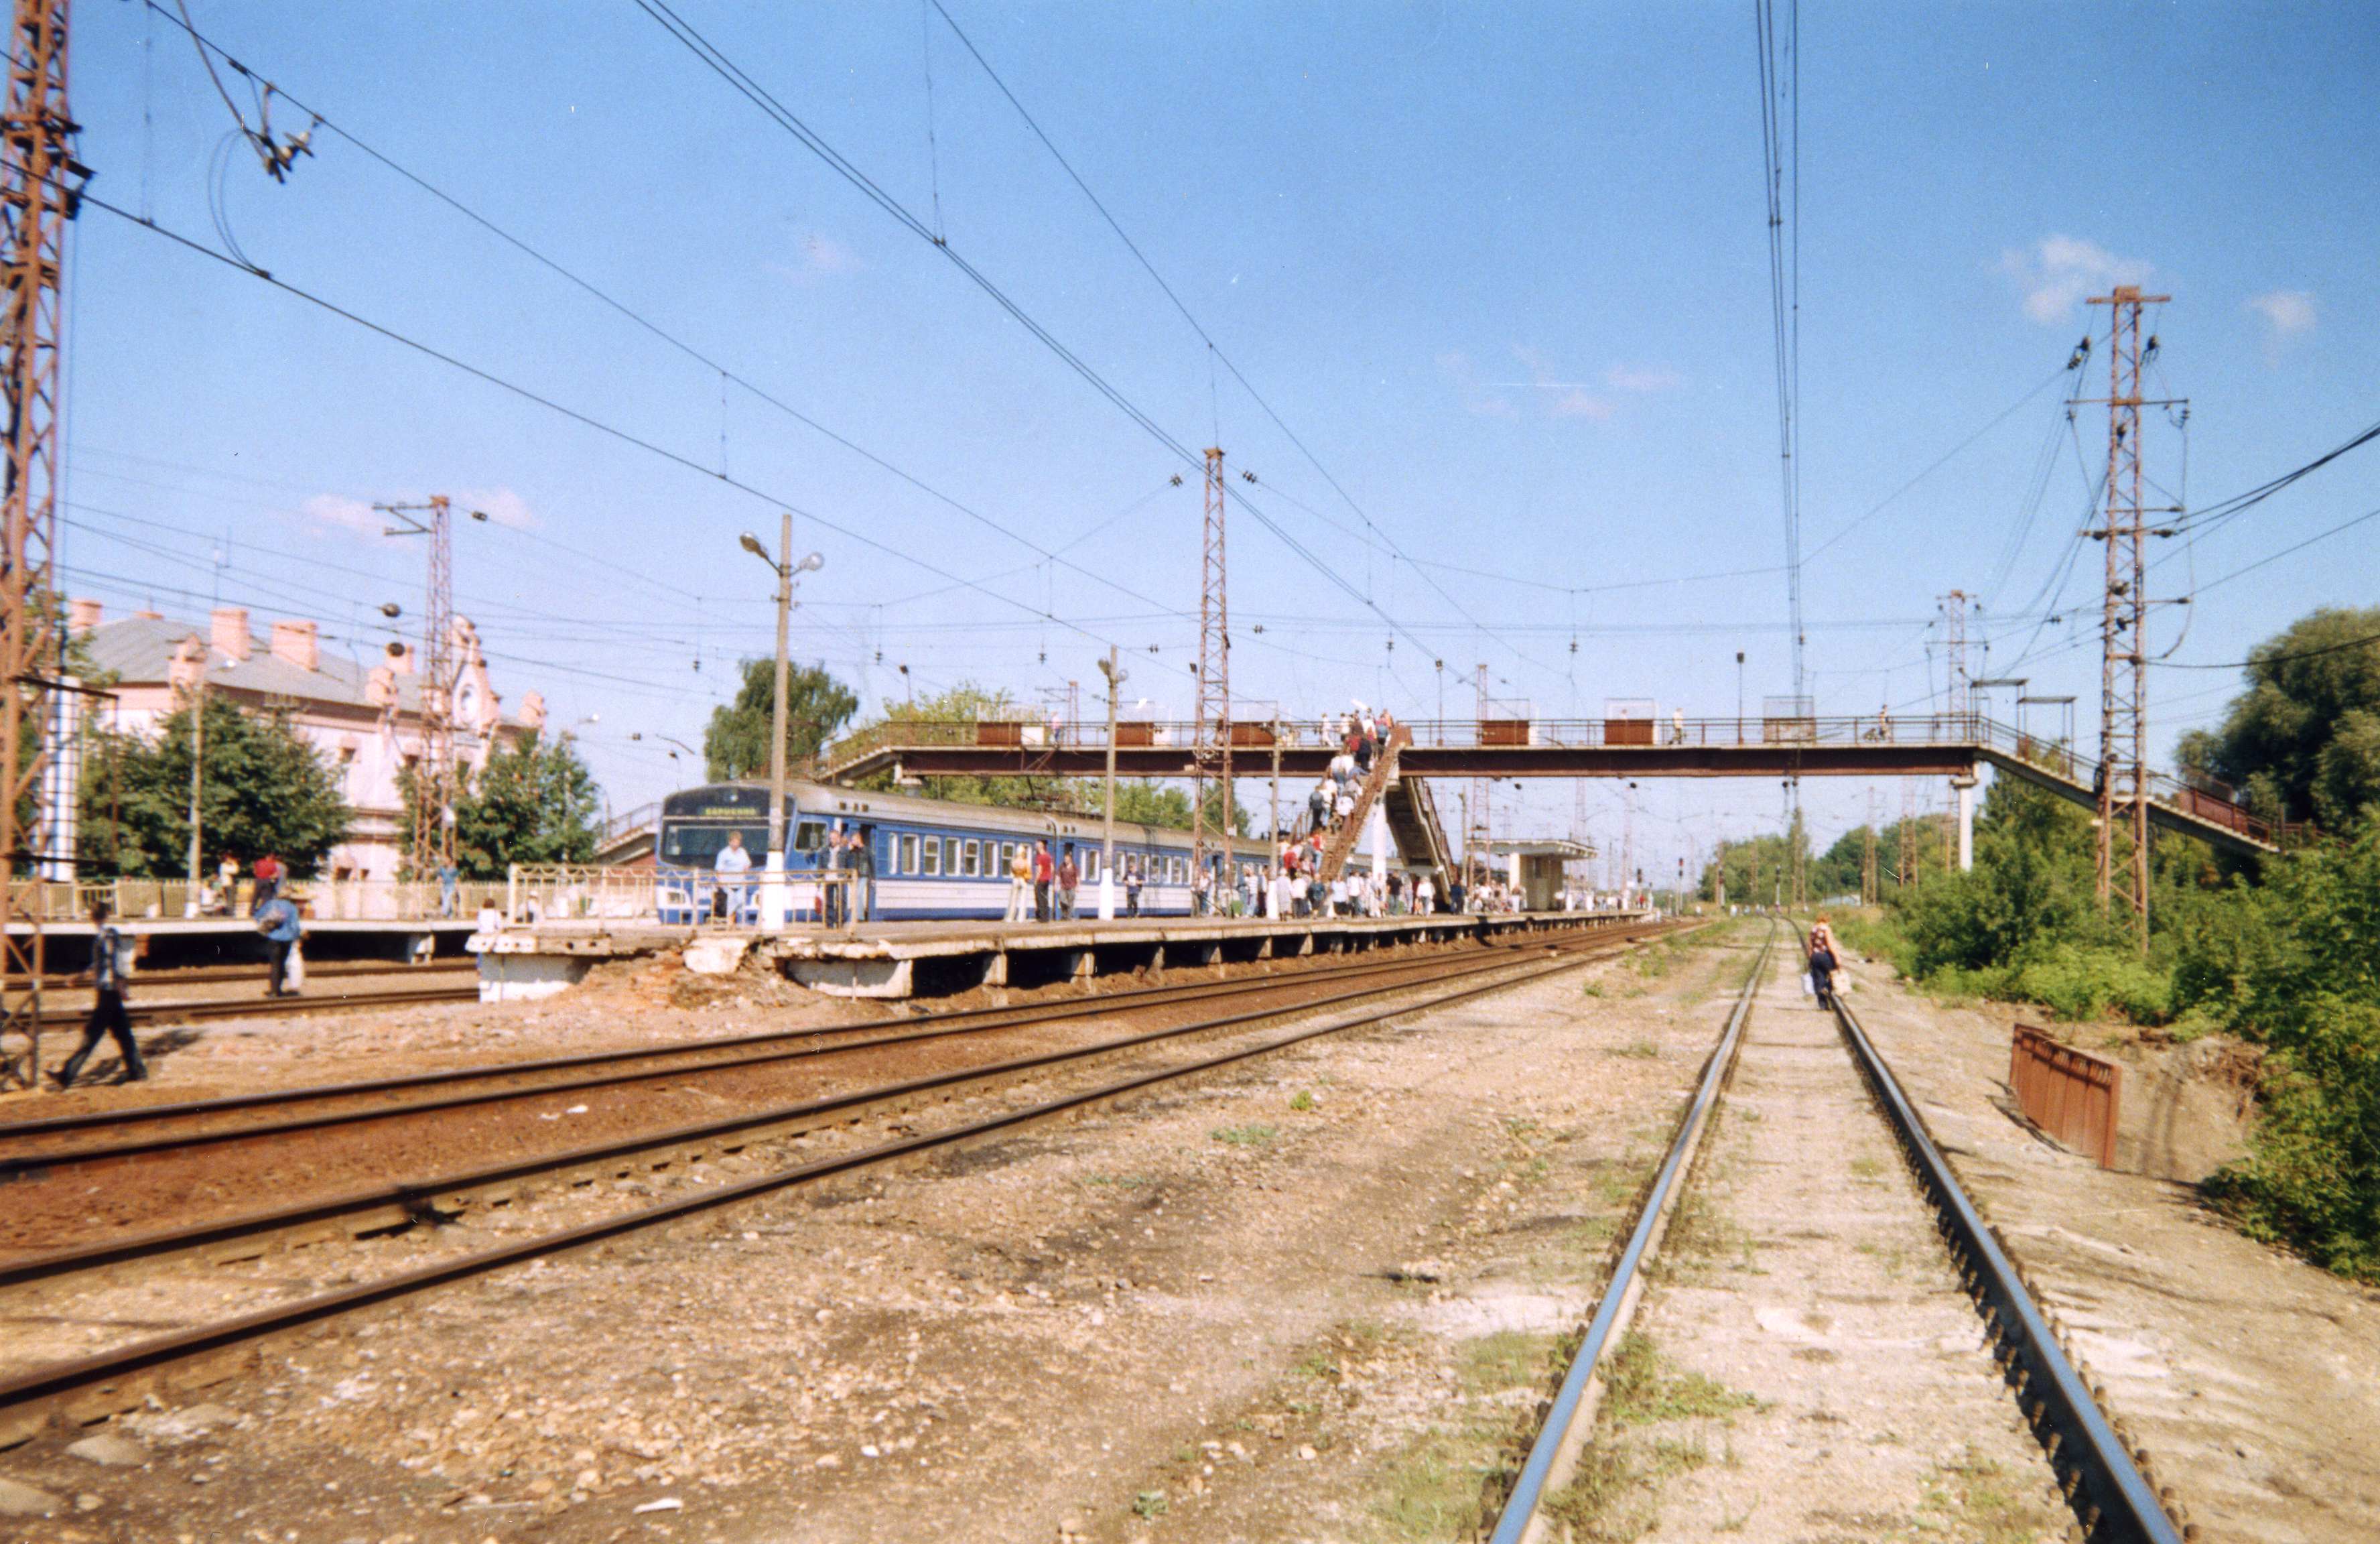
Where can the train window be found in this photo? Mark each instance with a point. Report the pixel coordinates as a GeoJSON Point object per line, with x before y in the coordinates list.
{"type": "Point", "coordinates": [932, 853]}
{"type": "Point", "coordinates": [1007, 856]}
{"type": "Point", "coordinates": [970, 858]}
{"type": "Point", "coordinates": [1091, 866]}
{"type": "Point", "coordinates": [907, 862]}
{"type": "Point", "coordinates": [809, 836]}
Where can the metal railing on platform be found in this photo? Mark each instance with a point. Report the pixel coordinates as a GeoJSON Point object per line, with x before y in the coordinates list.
{"type": "Point", "coordinates": [317, 899]}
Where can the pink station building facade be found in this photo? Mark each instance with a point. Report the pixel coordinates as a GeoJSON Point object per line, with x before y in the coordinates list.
{"type": "Point", "coordinates": [365, 718]}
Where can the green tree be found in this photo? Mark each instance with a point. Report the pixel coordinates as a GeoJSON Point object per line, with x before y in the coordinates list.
{"type": "Point", "coordinates": [1166, 804]}
{"type": "Point", "coordinates": [969, 703]}
{"type": "Point", "coordinates": [2303, 740]}
{"type": "Point", "coordinates": [736, 743]}
{"type": "Point", "coordinates": [263, 789]}
{"type": "Point", "coordinates": [532, 803]}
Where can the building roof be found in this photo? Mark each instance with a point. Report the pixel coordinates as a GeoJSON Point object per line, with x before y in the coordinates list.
{"type": "Point", "coordinates": [140, 650]}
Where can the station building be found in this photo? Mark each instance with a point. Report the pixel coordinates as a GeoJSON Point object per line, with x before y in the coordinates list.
{"type": "Point", "coordinates": [364, 718]}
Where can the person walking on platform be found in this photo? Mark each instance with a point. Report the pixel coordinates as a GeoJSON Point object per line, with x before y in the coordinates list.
{"type": "Point", "coordinates": [1045, 873]}
{"type": "Point", "coordinates": [111, 964]}
{"type": "Point", "coordinates": [1020, 884]}
{"type": "Point", "coordinates": [1069, 878]}
{"type": "Point", "coordinates": [278, 920]}
{"type": "Point", "coordinates": [1133, 879]}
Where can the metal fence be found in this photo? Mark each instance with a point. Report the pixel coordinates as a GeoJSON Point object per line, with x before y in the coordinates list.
{"type": "Point", "coordinates": [319, 899]}
{"type": "Point", "coordinates": [577, 892]}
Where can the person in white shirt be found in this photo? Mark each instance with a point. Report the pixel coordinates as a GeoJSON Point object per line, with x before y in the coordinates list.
{"type": "Point", "coordinates": [1425, 897]}
{"type": "Point", "coordinates": [732, 864]}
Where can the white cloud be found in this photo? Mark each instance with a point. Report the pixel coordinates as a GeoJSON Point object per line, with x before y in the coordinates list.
{"type": "Point", "coordinates": [336, 512]}
{"type": "Point", "coordinates": [502, 506]}
{"type": "Point", "coordinates": [824, 254]}
{"type": "Point", "coordinates": [2060, 271]}
{"type": "Point", "coordinates": [820, 257]}
{"type": "Point", "coordinates": [1644, 381]}
{"type": "Point", "coordinates": [1478, 399]}
{"type": "Point", "coordinates": [1576, 404]}
{"type": "Point", "coordinates": [2288, 314]}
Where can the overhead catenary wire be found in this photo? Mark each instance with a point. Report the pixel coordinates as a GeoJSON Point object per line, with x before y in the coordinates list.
{"type": "Point", "coordinates": [743, 83]}
{"type": "Point", "coordinates": [208, 47]}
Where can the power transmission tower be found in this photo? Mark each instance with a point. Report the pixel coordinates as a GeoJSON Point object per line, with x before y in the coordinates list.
{"type": "Point", "coordinates": [2123, 863]}
{"type": "Point", "coordinates": [434, 782]}
{"type": "Point", "coordinates": [1954, 644]}
{"type": "Point", "coordinates": [1212, 742]}
{"type": "Point", "coordinates": [37, 199]}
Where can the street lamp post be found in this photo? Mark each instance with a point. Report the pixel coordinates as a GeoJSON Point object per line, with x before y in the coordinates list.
{"type": "Point", "coordinates": [1116, 677]}
{"type": "Point", "coordinates": [774, 904]}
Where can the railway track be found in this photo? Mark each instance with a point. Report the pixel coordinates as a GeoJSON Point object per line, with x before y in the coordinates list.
{"type": "Point", "coordinates": [90, 1387]}
{"type": "Point", "coordinates": [195, 1010]}
{"type": "Point", "coordinates": [2103, 1476]}
{"type": "Point", "coordinates": [32, 1147]}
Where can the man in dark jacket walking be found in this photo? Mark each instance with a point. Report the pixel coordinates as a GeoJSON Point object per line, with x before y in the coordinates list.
{"type": "Point", "coordinates": [109, 957]}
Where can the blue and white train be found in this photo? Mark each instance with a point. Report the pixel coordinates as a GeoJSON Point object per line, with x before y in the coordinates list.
{"type": "Point", "coordinates": [933, 858]}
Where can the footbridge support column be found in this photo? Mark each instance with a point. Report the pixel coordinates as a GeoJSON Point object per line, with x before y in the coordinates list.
{"type": "Point", "coordinates": [1965, 788]}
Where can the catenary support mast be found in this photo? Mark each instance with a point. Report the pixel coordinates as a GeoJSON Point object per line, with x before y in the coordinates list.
{"type": "Point", "coordinates": [1211, 750]}
{"type": "Point", "coordinates": [2123, 831]}
{"type": "Point", "coordinates": [36, 202]}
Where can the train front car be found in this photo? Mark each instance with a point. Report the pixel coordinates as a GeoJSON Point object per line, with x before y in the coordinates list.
{"type": "Point", "coordinates": [696, 825]}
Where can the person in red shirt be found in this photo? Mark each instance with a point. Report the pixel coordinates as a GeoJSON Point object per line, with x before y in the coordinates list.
{"type": "Point", "coordinates": [269, 875]}
{"type": "Point", "coordinates": [1045, 872]}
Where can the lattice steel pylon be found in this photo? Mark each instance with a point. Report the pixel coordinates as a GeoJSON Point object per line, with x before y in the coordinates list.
{"type": "Point", "coordinates": [1211, 751]}
{"type": "Point", "coordinates": [36, 202]}
{"type": "Point", "coordinates": [434, 782]}
{"type": "Point", "coordinates": [2123, 860]}
{"type": "Point", "coordinates": [1954, 648]}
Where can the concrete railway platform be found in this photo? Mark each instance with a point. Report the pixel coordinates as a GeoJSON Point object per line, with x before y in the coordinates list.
{"type": "Point", "coordinates": [901, 960]}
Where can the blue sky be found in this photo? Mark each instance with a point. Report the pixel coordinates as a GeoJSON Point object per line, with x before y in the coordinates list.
{"type": "Point", "coordinates": [1501, 270]}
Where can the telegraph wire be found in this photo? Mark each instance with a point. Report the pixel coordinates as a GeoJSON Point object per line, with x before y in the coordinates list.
{"type": "Point", "coordinates": [588, 420]}
{"type": "Point", "coordinates": [206, 44]}
{"type": "Point", "coordinates": [685, 34]}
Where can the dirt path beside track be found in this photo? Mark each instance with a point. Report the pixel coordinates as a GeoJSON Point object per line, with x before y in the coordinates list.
{"type": "Point", "coordinates": [2253, 1377]}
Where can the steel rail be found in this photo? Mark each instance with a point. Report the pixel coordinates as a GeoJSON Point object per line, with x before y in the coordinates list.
{"type": "Point", "coordinates": [92, 1387]}
{"type": "Point", "coordinates": [188, 1010]}
{"type": "Point", "coordinates": [413, 1200]}
{"type": "Point", "coordinates": [16, 1166]}
{"type": "Point", "coordinates": [198, 975]}
{"type": "Point", "coordinates": [1553, 1451]}
{"type": "Point", "coordinates": [1020, 1014]}
{"type": "Point", "coordinates": [2101, 1472]}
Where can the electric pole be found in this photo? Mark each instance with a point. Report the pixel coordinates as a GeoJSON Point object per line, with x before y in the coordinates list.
{"type": "Point", "coordinates": [1211, 751]}
{"type": "Point", "coordinates": [434, 791]}
{"type": "Point", "coordinates": [1868, 890]}
{"type": "Point", "coordinates": [2123, 864]}
{"type": "Point", "coordinates": [1906, 878]}
{"type": "Point", "coordinates": [37, 199]}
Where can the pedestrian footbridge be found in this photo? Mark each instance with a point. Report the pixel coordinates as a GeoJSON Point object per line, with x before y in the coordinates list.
{"type": "Point", "coordinates": [1955, 745]}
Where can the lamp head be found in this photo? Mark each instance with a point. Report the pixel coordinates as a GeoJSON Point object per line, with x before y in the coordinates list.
{"type": "Point", "coordinates": [811, 564]}
{"type": "Point", "coordinates": [751, 543]}
{"type": "Point", "coordinates": [390, 610]}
